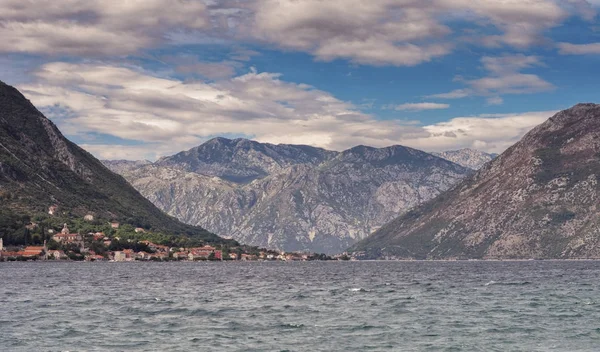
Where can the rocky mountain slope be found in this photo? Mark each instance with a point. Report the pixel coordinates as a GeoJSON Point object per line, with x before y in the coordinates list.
{"type": "Point", "coordinates": [122, 166]}
{"type": "Point", "coordinates": [292, 197]}
{"type": "Point", "coordinates": [471, 158]}
{"type": "Point", "coordinates": [539, 199]}
{"type": "Point", "coordinates": [39, 168]}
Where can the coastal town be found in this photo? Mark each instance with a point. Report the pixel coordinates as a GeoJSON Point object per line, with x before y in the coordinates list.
{"type": "Point", "coordinates": [97, 246]}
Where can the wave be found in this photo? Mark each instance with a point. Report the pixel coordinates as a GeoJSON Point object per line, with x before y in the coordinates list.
{"type": "Point", "coordinates": [509, 283]}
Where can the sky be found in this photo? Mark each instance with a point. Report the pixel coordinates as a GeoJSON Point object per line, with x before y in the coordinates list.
{"type": "Point", "coordinates": [143, 79]}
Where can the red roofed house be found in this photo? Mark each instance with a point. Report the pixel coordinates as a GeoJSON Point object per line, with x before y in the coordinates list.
{"type": "Point", "coordinates": [160, 255]}
{"type": "Point", "coordinates": [32, 251]}
{"type": "Point", "coordinates": [156, 247]}
{"type": "Point", "coordinates": [129, 254]}
{"type": "Point", "coordinates": [205, 252]}
{"type": "Point", "coordinates": [7, 254]}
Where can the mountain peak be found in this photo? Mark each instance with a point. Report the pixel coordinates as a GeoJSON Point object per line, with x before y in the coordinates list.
{"type": "Point", "coordinates": [218, 140]}
{"type": "Point", "coordinates": [395, 155]}
{"type": "Point", "coordinates": [575, 113]}
{"type": "Point", "coordinates": [243, 160]}
{"type": "Point", "coordinates": [296, 197]}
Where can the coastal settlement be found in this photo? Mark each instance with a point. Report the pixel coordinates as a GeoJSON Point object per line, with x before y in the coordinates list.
{"type": "Point", "coordinates": [132, 246]}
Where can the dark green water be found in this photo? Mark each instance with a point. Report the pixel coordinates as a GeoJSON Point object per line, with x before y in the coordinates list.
{"type": "Point", "coordinates": [340, 306]}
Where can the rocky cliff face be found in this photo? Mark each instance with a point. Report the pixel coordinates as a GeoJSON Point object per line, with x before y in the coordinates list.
{"type": "Point", "coordinates": [471, 158]}
{"type": "Point", "coordinates": [539, 199]}
{"type": "Point", "coordinates": [39, 167]}
{"type": "Point", "coordinates": [292, 197]}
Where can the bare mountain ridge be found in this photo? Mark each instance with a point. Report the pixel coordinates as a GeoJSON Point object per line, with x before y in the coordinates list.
{"type": "Point", "coordinates": [467, 157]}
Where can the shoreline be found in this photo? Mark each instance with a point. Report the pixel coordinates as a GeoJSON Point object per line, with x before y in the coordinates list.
{"type": "Point", "coordinates": [312, 261]}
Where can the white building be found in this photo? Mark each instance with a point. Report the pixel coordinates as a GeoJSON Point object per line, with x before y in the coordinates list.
{"type": "Point", "coordinates": [1, 245]}
{"type": "Point", "coordinates": [120, 256]}
{"type": "Point", "coordinates": [58, 254]}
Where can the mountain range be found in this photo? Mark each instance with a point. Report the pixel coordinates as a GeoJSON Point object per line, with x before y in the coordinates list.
{"type": "Point", "coordinates": [538, 199]}
{"type": "Point", "coordinates": [40, 168]}
{"type": "Point", "coordinates": [291, 197]}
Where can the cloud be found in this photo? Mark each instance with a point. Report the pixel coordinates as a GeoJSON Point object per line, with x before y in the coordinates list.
{"type": "Point", "coordinates": [490, 133]}
{"type": "Point", "coordinates": [133, 105]}
{"type": "Point", "coordinates": [402, 32]}
{"type": "Point", "coordinates": [495, 101]}
{"type": "Point", "coordinates": [522, 22]}
{"type": "Point", "coordinates": [505, 77]}
{"type": "Point", "coordinates": [420, 106]}
{"type": "Point", "coordinates": [455, 94]}
{"type": "Point", "coordinates": [191, 67]}
{"type": "Point", "coordinates": [93, 27]}
{"type": "Point", "coordinates": [584, 8]}
{"type": "Point", "coordinates": [156, 116]}
{"type": "Point", "coordinates": [579, 49]}
{"type": "Point", "coordinates": [383, 32]}
{"type": "Point", "coordinates": [127, 152]}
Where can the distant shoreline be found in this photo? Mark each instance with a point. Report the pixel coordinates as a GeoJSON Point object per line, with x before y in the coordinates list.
{"type": "Point", "coordinates": [312, 261]}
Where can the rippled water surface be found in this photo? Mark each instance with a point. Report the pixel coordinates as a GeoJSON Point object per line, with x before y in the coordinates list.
{"type": "Point", "coordinates": [316, 306]}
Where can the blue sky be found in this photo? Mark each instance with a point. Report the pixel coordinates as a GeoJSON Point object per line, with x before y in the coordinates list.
{"type": "Point", "coordinates": [133, 80]}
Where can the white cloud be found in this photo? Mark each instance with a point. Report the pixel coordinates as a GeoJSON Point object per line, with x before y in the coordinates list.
{"type": "Point", "coordinates": [584, 8]}
{"type": "Point", "coordinates": [505, 77]}
{"type": "Point", "coordinates": [127, 152]}
{"type": "Point", "coordinates": [191, 67]}
{"type": "Point", "coordinates": [455, 94]}
{"type": "Point", "coordinates": [495, 100]}
{"type": "Point", "coordinates": [421, 106]}
{"type": "Point", "coordinates": [402, 32]}
{"type": "Point", "coordinates": [490, 133]}
{"type": "Point", "coordinates": [164, 116]}
{"type": "Point", "coordinates": [382, 32]}
{"type": "Point", "coordinates": [521, 21]}
{"type": "Point", "coordinates": [579, 49]}
{"type": "Point", "coordinates": [94, 27]}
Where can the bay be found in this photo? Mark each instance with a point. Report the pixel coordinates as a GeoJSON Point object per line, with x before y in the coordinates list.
{"type": "Point", "coordinates": [300, 306]}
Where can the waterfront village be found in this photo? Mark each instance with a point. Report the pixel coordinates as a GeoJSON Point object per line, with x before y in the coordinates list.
{"type": "Point", "coordinates": [97, 246]}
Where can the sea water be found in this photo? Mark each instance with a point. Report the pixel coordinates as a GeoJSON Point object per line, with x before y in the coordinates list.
{"type": "Point", "coordinates": [300, 306]}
